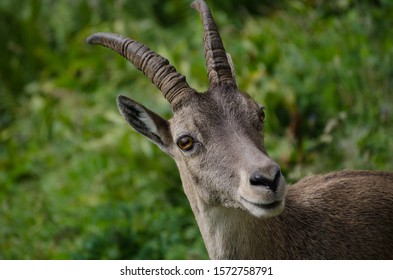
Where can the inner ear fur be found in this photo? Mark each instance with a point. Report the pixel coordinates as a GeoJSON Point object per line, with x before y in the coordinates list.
{"type": "Point", "coordinates": [146, 122]}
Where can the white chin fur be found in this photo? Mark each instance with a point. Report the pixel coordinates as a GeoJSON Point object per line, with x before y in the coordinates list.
{"type": "Point", "coordinates": [263, 212]}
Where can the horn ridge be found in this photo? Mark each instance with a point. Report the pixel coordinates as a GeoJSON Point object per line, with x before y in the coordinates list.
{"type": "Point", "coordinates": [157, 68]}
{"type": "Point", "coordinates": [218, 68]}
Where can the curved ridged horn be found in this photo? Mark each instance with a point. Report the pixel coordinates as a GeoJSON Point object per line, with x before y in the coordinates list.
{"type": "Point", "coordinates": [155, 67]}
{"type": "Point", "coordinates": [218, 68]}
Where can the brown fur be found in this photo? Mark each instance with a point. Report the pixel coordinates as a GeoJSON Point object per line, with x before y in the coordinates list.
{"type": "Point", "coordinates": [340, 215]}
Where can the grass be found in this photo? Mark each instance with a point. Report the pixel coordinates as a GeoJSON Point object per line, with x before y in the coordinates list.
{"type": "Point", "coordinates": [76, 183]}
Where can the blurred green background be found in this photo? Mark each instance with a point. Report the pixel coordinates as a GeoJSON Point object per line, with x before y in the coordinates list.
{"type": "Point", "coordinates": [77, 183]}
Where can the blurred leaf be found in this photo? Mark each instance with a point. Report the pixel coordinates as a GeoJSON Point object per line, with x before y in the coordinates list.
{"type": "Point", "coordinates": [77, 183]}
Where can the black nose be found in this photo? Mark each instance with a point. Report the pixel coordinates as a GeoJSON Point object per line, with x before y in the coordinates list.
{"type": "Point", "coordinates": [259, 179]}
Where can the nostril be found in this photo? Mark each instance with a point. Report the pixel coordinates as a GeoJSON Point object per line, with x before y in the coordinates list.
{"type": "Point", "coordinates": [259, 179]}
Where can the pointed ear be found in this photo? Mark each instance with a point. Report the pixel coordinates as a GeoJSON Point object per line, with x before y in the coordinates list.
{"type": "Point", "coordinates": [146, 122]}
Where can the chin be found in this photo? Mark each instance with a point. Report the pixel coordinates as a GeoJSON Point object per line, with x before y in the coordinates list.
{"type": "Point", "coordinates": [262, 211]}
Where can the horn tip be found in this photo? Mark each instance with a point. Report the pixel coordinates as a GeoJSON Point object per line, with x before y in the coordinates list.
{"type": "Point", "coordinates": [196, 4]}
{"type": "Point", "coordinates": [92, 39]}
{"type": "Point", "coordinates": [96, 38]}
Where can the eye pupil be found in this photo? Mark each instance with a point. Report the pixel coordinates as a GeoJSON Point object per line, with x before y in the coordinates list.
{"type": "Point", "coordinates": [185, 143]}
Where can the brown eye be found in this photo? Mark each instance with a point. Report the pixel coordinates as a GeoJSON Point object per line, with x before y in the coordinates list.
{"type": "Point", "coordinates": [186, 143]}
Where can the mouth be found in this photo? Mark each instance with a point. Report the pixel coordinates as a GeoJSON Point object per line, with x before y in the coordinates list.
{"type": "Point", "coordinates": [265, 206]}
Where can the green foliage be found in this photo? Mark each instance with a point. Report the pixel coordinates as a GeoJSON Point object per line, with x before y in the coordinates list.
{"type": "Point", "coordinates": [76, 183]}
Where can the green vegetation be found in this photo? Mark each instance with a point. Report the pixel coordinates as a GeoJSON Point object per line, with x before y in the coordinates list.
{"type": "Point", "coordinates": [77, 183]}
